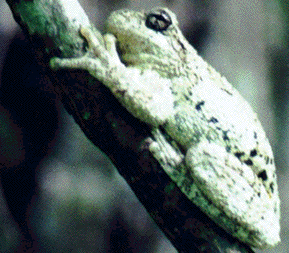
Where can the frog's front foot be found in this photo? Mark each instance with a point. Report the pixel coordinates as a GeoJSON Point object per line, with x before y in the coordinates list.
{"type": "Point", "coordinates": [100, 59]}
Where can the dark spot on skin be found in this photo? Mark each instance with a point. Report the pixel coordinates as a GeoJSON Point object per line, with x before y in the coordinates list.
{"type": "Point", "coordinates": [259, 194]}
{"type": "Point", "coordinates": [248, 162]}
{"type": "Point", "coordinates": [271, 161]}
{"type": "Point", "coordinates": [187, 98]}
{"type": "Point", "coordinates": [182, 45]}
{"type": "Point", "coordinates": [176, 104]}
{"type": "Point", "coordinates": [272, 187]}
{"type": "Point", "coordinates": [213, 120]}
{"type": "Point", "coordinates": [263, 175]}
{"type": "Point", "coordinates": [262, 217]}
{"type": "Point", "coordinates": [253, 153]}
{"type": "Point", "coordinates": [227, 91]}
{"type": "Point", "coordinates": [225, 136]}
{"type": "Point", "coordinates": [228, 149]}
{"type": "Point", "coordinates": [198, 106]}
{"type": "Point", "coordinates": [255, 135]}
{"type": "Point", "coordinates": [239, 154]}
{"type": "Point", "coordinates": [178, 119]}
{"type": "Point", "coordinates": [267, 159]}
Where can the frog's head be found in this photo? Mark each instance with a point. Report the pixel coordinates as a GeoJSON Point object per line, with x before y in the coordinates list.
{"type": "Point", "coordinates": [149, 40]}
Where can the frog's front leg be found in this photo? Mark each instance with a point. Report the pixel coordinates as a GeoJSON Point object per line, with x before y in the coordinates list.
{"type": "Point", "coordinates": [101, 61]}
{"type": "Point", "coordinates": [143, 92]}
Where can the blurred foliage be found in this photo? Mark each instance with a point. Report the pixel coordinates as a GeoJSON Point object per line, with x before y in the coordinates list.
{"type": "Point", "coordinates": [285, 16]}
{"type": "Point", "coordinates": [10, 143]}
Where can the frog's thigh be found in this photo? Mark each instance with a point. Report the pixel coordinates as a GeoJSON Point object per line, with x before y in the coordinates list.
{"type": "Point", "coordinates": [221, 177]}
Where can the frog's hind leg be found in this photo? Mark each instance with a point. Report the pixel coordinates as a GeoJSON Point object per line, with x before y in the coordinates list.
{"type": "Point", "coordinates": [234, 196]}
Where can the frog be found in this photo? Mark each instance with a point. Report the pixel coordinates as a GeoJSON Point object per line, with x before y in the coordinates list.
{"type": "Point", "coordinates": [206, 136]}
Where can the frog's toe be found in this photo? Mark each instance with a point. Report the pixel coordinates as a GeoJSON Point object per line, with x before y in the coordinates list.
{"type": "Point", "coordinates": [110, 43]}
{"type": "Point", "coordinates": [92, 40]}
{"type": "Point", "coordinates": [74, 63]}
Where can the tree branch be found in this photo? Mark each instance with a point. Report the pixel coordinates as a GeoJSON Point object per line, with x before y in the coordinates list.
{"type": "Point", "coordinates": [53, 27]}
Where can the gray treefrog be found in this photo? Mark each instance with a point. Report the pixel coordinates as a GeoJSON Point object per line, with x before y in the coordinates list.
{"type": "Point", "coordinates": [206, 136]}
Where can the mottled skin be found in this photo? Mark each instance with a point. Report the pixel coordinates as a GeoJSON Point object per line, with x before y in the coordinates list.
{"type": "Point", "coordinates": [226, 166]}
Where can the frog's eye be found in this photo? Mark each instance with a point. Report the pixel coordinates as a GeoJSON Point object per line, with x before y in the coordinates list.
{"type": "Point", "coordinates": [158, 20]}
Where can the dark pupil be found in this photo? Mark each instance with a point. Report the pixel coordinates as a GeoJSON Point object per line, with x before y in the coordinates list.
{"type": "Point", "coordinates": [158, 22]}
